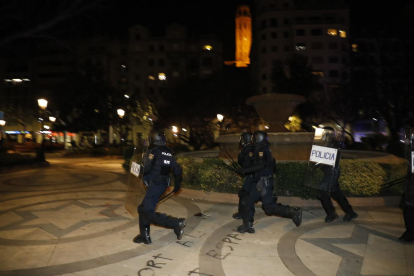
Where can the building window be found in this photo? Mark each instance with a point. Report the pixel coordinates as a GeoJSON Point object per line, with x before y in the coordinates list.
{"type": "Point", "coordinates": [300, 20]}
{"type": "Point", "coordinates": [273, 22]}
{"type": "Point", "coordinates": [285, 34]}
{"type": "Point", "coordinates": [286, 48]}
{"type": "Point", "coordinates": [332, 32]}
{"type": "Point", "coordinates": [207, 61]}
{"type": "Point", "coordinates": [316, 45]}
{"type": "Point", "coordinates": [354, 47]}
{"type": "Point", "coordinates": [263, 24]}
{"type": "Point", "coordinates": [207, 47]}
{"type": "Point", "coordinates": [151, 62]}
{"type": "Point", "coordinates": [274, 48]}
{"type": "Point", "coordinates": [300, 32]}
{"type": "Point", "coordinates": [286, 21]}
{"type": "Point", "coordinates": [161, 48]}
{"type": "Point", "coordinates": [175, 74]}
{"type": "Point", "coordinates": [318, 73]}
{"type": "Point", "coordinates": [300, 46]}
{"type": "Point", "coordinates": [162, 76]}
{"type": "Point", "coordinates": [333, 59]}
{"type": "Point", "coordinates": [264, 77]}
{"type": "Point", "coordinates": [263, 50]}
{"type": "Point", "coordinates": [274, 34]}
{"type": "Point", "coordinates": [151, 48]}
{"type": "Point", "coordinates": [342, 33]}
{"type": "Point", "coordinates": [263, 36]}
{"type": "Point", "coordinates": [316, 32]}
{"type": "Point", "coordinates": [333, 45]}
{"type": "Point", "coordinates": [333, 73]}
{"type": "Point", "coordinates": [317, 60]}
{"type": "Point", "coordinates": [161, 62]}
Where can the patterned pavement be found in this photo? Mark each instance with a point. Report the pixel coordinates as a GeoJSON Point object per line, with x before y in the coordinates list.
{"type": "Point", "coordinates": [70, 219]}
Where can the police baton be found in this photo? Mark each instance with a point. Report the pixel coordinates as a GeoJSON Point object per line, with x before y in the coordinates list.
{"type": "Point", "coordinates": [164, 197]}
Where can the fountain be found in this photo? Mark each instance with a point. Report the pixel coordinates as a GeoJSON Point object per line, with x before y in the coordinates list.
{"type": "Point", "coordinates": [275, 109]}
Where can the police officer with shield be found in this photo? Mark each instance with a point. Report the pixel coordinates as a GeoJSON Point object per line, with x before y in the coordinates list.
{"type": "Point", "coordinates": [159, 162]}
{"type": "Point", "coordinates": [329, 187]}
{"type": "Point", "coordinates": [245, 159]}
{"type": "Point", "coordinates": [263, 167]}
{"type": "Point", "coordinates": [408, 196]}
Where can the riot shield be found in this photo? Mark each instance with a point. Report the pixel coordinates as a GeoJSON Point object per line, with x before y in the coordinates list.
{"type": "Point", "coordinates": [136, 189]}
{"type": "Point", "coordinates": [409, 154]}
{"type": "Point", "coordinates": [323, 167]}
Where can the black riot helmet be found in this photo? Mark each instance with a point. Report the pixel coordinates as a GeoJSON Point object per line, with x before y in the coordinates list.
{"type": "Point", "coordinates": [328, 135]}
{"type": "Point", "coordinates": [259, 136]}
{"type": "Point", "coordinates": [159, 138]}
{"type": "Point", "coordinates": [246, 138]}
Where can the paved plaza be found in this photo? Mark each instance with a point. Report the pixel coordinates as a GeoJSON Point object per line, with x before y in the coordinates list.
{"type": "Point", "coordinates": [70, 219]}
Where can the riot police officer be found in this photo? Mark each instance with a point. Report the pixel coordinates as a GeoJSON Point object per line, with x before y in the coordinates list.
{"type": "Point", "coordinates": [159, 162]}
{"type": "Point", "coordinates": [408, 196]}
{"type": "Point", "coordinates": [329, 187]}
{"type": "Point", "coordinates": [263, 167]}
{"type": "Point", "coordinates": [245, 159]}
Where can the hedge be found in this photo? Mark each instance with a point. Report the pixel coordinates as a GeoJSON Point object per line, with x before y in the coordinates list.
{"type": "Point", "coordinates": [358, 177]}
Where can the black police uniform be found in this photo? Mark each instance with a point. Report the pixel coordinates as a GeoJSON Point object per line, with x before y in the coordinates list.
{"type": "Point", "coordinates": [330, 188]}
{"type": "Point", "coordinates": [408, 208]}
{"type": "Point", "coordinates": [245, 160]}
{"type": "Point", "coordinates": [263, 167]}
{"type": "Point", "coordinates": [159, 162]}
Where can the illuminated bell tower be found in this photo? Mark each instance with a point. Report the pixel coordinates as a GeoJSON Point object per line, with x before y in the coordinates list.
{"type": "Point", "coordinates": [243, 35]}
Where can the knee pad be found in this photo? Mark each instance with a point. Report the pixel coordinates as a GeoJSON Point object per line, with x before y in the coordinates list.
{"type": "Point", "coordinates": [268, 209]}
{"type": "Point", "coordinates": [242, 193]}
{"type": "Point", "coordinates": [246, 201]}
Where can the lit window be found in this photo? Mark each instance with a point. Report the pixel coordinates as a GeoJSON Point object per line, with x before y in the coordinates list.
{"type": "Point", "coordinates": [354, 48]}
{"type": "Point", "coordinates": [208, 47]}
{"type": "Point", "coordinates": [300, 47]}
{"type": "Point", "coordinates": [332, 32]}
{"type": "Point", "coordinates": [151, 77]}
{"type": "Point", "coordinates": [342, 33]}
{"type": "Point", "coordinates": [162, 76]}
{"type": "Point", "coordinates": [318, 73]}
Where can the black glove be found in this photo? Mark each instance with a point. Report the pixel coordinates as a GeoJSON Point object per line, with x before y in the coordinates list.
{"type": "Point", "coordinates": [240, 171]}
{"type": "Point", "coordinates": [177, 187]}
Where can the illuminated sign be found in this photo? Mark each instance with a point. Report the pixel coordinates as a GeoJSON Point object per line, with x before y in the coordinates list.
{"type": "Point", "coordinates": [412, 162]}
{"type": "Point", "coordinates": [15, 132]}
{"type": "Point", "coordinates": [323, 155]}
{"type": "Point", "coordinates": [135, 168]}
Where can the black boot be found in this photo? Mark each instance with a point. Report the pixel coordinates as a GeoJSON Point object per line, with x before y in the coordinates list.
{"type": "Point", "coordinates": [179, 229]}
{"type": "Point", "coordinates": [237, 215]}
{"type": "Point", "coordinates": [327, 205]}
{"type": "Point", "coordinates": [144, 236]}
{"type": "Point", "coordinates": [350, 216]}
{"type": "Point", "coordinates": [296, 215]}
{"type": "Point", "coordinates": [331, 217]}
{"type": "Point", "coordinates": [248, 228]}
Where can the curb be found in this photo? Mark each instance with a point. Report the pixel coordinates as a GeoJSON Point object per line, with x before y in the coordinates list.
{"type": "Point", "coordinates": [215, 197]}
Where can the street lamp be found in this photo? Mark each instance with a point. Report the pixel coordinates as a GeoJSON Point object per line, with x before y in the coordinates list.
{"type": "Point", "coordinates": [2, 123]}
{"type": "Point", "coordinates": [42, 104]}
{"type": "Point", "coordinates": [52, 119]}
{"type": "Point", "coordinates": [220, 117]}
{"type": "Point", "coordinates": [121, 114]}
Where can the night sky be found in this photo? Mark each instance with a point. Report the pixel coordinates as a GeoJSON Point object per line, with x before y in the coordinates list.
{"type": "Point", "coordinates": [113, 18]}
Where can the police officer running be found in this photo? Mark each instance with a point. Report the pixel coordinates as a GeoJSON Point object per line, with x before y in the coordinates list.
{"type": "Point", "coordinates": [263, 167]}
{"type": "Point", "coordinates": [159, 162]}
{"type": "Point", "coordinates": [330, 184]}
{"type": "Point", "coordinates": [245, 160]}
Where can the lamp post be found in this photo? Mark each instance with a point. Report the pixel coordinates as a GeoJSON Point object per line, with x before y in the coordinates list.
{"type": "Point", "coordinates": [121, 114]}
{"type": "Point", "coordinates": [2, 123]}
{"type": "Point", "coordinates": [42, 104]}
